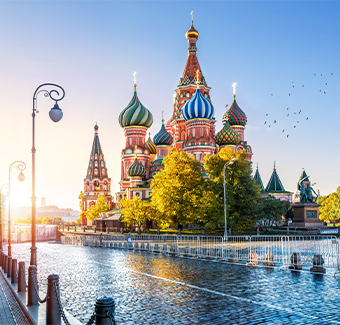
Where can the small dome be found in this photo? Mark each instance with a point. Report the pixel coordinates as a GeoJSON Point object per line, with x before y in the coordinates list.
{"type": "Point", "coordinates": [163, 137]}
{"type": "Point", "coordinates": [192, 32]}
{"type": "Point", "coordinates": [136, 169]}
{"type": "Point", "coordinates": [227, 136]}
{"type": "Point", "coordinates": [235, 115]}
{"type": "Point", "coordinates": [135, 114]}
{"type": "Point", "coordinates": [96, 127]}
{"type": "Point", "coordinates": [151, 146]}
{"type": "Point", "coordinates": [198, 107]}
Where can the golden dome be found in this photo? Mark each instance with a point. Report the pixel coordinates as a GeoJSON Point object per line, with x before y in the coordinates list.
{"type": "Point", "coordinates": [192, 32]}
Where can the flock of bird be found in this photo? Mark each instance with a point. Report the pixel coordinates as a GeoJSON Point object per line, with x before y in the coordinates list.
{"type": "Point", "coordinates": [289, 112]}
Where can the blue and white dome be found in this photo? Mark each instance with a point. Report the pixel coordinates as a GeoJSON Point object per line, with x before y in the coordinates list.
{"type": "Point", "coordinates": [198, 107]}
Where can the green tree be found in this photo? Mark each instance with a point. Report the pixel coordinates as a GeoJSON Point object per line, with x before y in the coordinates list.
{"type": "Point", "coordinates": [135, 211]}
{"type": "Point", "coordinates": [271, 210]}
{"type": "Point", "coordinates": [176, 190]}
{"type": "Point", "coordinates": [100, 206]}
{"type": "Point", "coordinates": [242, 194]}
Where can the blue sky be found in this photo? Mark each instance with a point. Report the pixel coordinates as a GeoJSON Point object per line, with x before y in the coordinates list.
{"type": "Point", "coordinates": [92, 48]}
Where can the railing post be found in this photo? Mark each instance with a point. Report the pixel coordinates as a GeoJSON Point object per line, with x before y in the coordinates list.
{"type": "Point", "coordinates": [105, 311]}
{"type": "Point", "coordinates": [5, 264]}
{"type": "Point", "coordinates": [9, 266]}
{"type": "Point", "coordinates": [1, 257]}
{"type": "Point", "coordinates": [32, 298]}
{"type": "Point", "coordinates": [52, 310]}
{"type": "Point", "coordinates": [14, 277]}
{"type": "Point", "coordinates": [21, 277]}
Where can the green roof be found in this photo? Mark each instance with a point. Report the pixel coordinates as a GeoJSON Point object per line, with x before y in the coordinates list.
{"type": "Point", "coordinates": [258, 179]}
{"type": "Point", "coordinates": [274, 184]}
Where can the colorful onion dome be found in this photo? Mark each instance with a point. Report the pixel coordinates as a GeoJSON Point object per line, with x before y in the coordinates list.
{"type": "Point", "coordinates": [198, 107]}
{"type": "Point", "coordinates": [135, 114]}
{"type": "Point", "coordinates": [136, 169]}
{"type": "Point", "coordinates": [163, 137]}
{"type": "Point", "coordinates": [235, 115]}
{"type": "Point", "coordinates": [227, 136]}
{"type": "Point", "coordinates": [96, 127]}
{"type": "Point", "coordinates": [151, 146]}
{"type": "Point", "coordinates": [192, 32]}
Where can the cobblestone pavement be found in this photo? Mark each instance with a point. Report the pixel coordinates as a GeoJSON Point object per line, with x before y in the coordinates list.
{"type": "Point", "coordinates": [159, 289]}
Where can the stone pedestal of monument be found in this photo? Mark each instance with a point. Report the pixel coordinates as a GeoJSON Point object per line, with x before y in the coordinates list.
{"type": "Point", "coordinates": [306, 215]}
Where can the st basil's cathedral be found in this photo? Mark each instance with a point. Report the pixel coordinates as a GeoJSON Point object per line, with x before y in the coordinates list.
{"type": "Point", "coordinates": [191, 128]}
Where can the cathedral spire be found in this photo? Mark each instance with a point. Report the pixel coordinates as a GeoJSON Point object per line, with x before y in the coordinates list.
{"type": "Point", "coordinates": [192, 65]}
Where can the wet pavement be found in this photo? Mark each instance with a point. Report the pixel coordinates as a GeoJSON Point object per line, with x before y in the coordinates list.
{"type": "Point", "coordinates": [160, 289]}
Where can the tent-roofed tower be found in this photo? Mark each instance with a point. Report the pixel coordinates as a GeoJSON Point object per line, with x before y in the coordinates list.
{"type": "Point", "coordinates": [258, 179]}
{"type": "Point", "coordinates": [275, 188]}
{"type": "Point", "coordinates": [97, 181]}
{"type": "Point", "coordinates": [186, 89]}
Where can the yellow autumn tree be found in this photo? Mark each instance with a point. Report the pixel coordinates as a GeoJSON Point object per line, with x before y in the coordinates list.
{"type": "Point", "coordinates": [176, 190]}
{"type": "Point", "coordinates": [100, 206]}
{"type": "Point", "coordinates": [135, 211]}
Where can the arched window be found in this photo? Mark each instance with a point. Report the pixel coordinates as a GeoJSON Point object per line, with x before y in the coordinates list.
{"type": "Point", "coordinates": [106, 186]}
{"type": "Point", "coordinates": [102, 163]}
{"type": "Point", "coordinates": [96, 164]}
{"type": "Point", "coordinates": [96, 171]}
{"type": "Point", "coordinates": [103, 171]}
{"type": "Point", "coordinates": [96, 185]}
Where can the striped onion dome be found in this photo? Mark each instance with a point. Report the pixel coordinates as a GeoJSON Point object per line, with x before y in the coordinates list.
{"type": "Point", "coordinates": [235, 115]}
{"type": "Point", "coordinates": [136, 169]}
{"type": "Point", "coordinates": [227, 136]}
{"type": "Point", "coordinates": [198, 107]}
{"type": "Point", "coordinates": [151, 146]}
{"type": "Point", "coordinates": [163, 137]}
{"type": "Point", "coordinates": [135, 114]}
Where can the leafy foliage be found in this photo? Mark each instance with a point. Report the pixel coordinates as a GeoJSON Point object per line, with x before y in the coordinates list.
{"type": "Point", "coordinates": [330, 206]}
{"type": "Point", "coordinates": [242, 194]}
{"type": "Point", "coordinates": [100, 206]}
{"type": "Point", "coordinates": [176, 190]}
{"type": "Point", "coordinates": [135, 211]}
{"type": "Point", "coordinates": [271, 210]}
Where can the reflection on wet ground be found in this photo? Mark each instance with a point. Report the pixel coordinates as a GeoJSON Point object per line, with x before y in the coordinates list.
{"type": "Point", "coordinates": [159, 289]}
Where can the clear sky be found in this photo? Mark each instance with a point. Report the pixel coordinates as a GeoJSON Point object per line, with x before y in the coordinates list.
{"type": "Point", "coordinates": [92, 48]}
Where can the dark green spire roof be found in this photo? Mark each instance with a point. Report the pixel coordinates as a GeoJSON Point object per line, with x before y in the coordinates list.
{"type": "Point", "coordinates": [258, 179]}
{"type": "Point", "coordinates": [274, 184]}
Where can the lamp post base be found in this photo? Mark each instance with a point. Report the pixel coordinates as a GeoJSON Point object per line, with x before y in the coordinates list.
{"type": "Point", "coordinates": [0, 245]}
{"type": "Point", "coordinates": [33, 256]}
{"type": "Point", "coordinates": [9, 253]}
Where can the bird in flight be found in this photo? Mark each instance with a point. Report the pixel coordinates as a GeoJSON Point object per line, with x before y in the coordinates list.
{"type": "Point", "coordinates": [300, 111]}
{"type": "Point", "coordinates": [267, 114]}
{"type": "Point", "coordinates": [294, 126]}
{"type": "Point", "coordinates": [303, 85]}
{"type": "Point", "coordinates": [289, 94]}
{"type": "Point", "coordinates": [326, 83]}
{"type": "Point", "coordinates": [314, 74]}
{"type": "Point", "coordinates": [265, 122]}
{"type": "Point", "coordinates": [332, 74]}
{"type": "Point", "coordinates": [269, 125]}
{"type": "Point", "coordinates": [306, 118]}
{"type": "Point", "coordinates": [287, 115]}
{"type": "Point", "coordinates": [287, 135]}
{"type": "Point", "coordinates": [272, 94]}
{"type": "Point", "coordinates": [324, 92]}
{"type": "Point", "coordinates": [274, 121]}
{"type": "Point", "coordinates": [297, 121]}
{"type": "Point", "coordinates": [283, 130]}
{"type": "Point", "coordinates": [287, 108]}
{"type": "Point", "coordinates": [294, 113]}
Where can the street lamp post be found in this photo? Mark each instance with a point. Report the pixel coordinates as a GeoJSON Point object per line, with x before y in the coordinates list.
{"type": "Point", "coordinates": [55, 114]}
{"type": "Point", "coordinates": [225, 204]}
{"type": "Point", "coordinates": [2, 186]}
{"type": "Point", "coordinates": [21, 166]}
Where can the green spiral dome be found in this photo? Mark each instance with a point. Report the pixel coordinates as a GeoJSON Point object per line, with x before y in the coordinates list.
{"type": "Point", "coordinates": [135, 114]}
{"type": "Point", "coordinates": [227, 136]}
{"type": "Point", "coordinates": [151, 146]}
{"type": "Point", "coordinates": [136, 169]}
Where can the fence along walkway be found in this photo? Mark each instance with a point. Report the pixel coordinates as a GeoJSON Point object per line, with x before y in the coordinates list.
{"type": "Point", "coordinates": [238, 249]}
